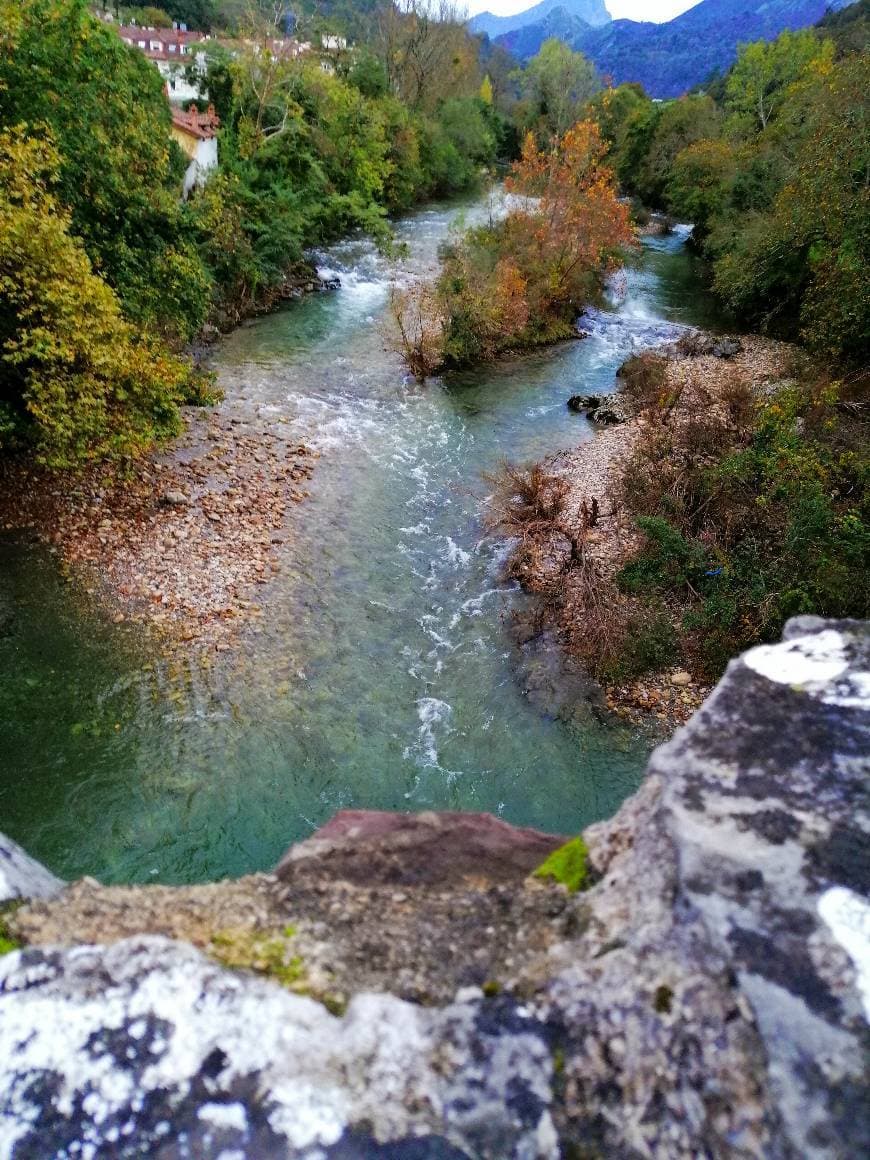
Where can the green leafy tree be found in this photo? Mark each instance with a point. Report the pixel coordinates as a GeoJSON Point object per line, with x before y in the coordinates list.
{"type": "Point", "coordinates": [678, 124]}
{"type": "Point", "coordinates": [195, 13]}
{"type": "Point", "coordinates": [701, 182]}
{"type": "Point", "coordinates": [368, 74]}
{"type": "Point", "coordinates": [758, 83]}
{"type": "Point", "coordinates": [104, 106]}
{"type": "Point", "coordinates": [557, 83]}
{"type": "Point", "coordinates": [76, 383]}
{"type": "Point", "coordinates": [805, 261]}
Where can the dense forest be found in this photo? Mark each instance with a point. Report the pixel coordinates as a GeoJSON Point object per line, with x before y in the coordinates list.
{"type": "Point", "coordinates": [771, 164]}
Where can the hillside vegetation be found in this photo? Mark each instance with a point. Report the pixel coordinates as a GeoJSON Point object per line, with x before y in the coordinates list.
{"type": "Point", "coordinates": [668, 58]}
{"type": "Point", "coordinates": [105, 272]}
{"type": "Point", "coordinates": [772, 166]}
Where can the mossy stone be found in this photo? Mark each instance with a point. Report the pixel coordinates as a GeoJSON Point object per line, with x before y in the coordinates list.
{"type": "Point", "coordinates": [568, 865]}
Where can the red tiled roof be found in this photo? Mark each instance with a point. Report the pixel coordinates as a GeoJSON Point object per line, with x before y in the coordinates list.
{"type": "Point", "coordinates": [202, 125]}
{"type": "Point", "coordinates": [166, 35]}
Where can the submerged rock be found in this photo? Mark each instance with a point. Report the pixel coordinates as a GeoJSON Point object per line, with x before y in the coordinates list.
{"type": "Point", "coordinates": [583, 402]}
{"type": "Point", "coordinates": [707, 996]}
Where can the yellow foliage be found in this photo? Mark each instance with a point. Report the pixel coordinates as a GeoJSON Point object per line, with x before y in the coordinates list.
{"type": "Point", "coordinates": [77, 382]}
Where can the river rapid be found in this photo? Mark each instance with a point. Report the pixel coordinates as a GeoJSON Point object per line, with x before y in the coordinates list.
{"type": "Point", "coordinates": [381, 673]}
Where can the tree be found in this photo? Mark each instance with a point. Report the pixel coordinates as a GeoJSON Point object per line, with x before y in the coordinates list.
{"type": "Point", "coordinates": [119, 175]}
{"type": "Point", "coordinates": [195, 13]}
{"type": "Point", "coordinates": [701, 182]}
{"type": "Point", "coordinates": [579, 228]}
{"type": "Point", "coordinates": [77, 383]}
{"type": "Point", "coordinates": [557, 83]}
{"type": "Point", "coordinates": [368, 74]}
{"type": "Point", "coordinates": [804, 261]}
{"type": "Point", "coordinates": [523, 280]}
{"type": "Point", "coordinates": [426, 52]}
{"type": "Point", "coordinates": [758, 83]}
{"type": "Point", "coordinates": [677, 125]}
{"type": "Point", "coordinates": [613, 108]}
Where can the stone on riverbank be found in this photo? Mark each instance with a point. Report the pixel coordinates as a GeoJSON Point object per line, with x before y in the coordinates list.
{"type": "Point", "coordinates": [706, 997]}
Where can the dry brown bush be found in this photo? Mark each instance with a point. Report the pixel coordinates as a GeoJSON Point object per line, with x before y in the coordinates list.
{"type": "Point", "coordinates": [416, 333]}
{"type": "Point", "coordinates": [525, 497]}
{"type": "Point", "coordinates": [644, 382]}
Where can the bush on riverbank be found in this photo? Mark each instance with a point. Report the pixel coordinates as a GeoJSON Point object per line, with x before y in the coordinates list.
{"type": "Point", "coordinates": [752, 510]}
{"type": "Point", "coordinates": [521, 281]}
{"type": "Point", "coordinates": [736, 497]}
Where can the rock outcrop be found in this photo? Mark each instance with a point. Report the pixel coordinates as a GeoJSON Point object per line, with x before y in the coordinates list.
{"type": "Point", "coordinates": [708, 995]}
{"type": "Point", "coordinates": [22, 876]}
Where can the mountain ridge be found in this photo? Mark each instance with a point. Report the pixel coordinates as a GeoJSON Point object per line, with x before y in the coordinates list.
{"type": "Point", "coordinates": [593, 13]}
{"type": "Point", "coordinates": [667, 59]}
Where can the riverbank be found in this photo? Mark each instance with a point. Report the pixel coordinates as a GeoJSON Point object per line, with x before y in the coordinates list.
{"type": "Point", "coordinates": [379, 673]}
{"type": "Point", "coordinates": [568, 555]}
{"type": "Point", "coordinates": [181, 541]}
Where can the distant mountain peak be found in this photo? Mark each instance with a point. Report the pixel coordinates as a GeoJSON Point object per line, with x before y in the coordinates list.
{"type": "Point", "coordinates": [667, 59]}
{"type": "Point", "coordinates": [591, 12]}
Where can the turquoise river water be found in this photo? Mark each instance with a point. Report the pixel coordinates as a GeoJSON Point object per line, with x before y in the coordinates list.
{"type": "Point", "coordinates": [382, 673]}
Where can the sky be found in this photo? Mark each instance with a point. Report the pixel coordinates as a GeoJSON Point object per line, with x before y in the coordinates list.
{"type": "Point", "coordinates": [657, 10]}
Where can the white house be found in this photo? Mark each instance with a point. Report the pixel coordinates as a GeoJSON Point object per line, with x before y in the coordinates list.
{"type": "Point", "coordinates": [178, 55]}
{"type": "Point", "coordinates": [196, 133]}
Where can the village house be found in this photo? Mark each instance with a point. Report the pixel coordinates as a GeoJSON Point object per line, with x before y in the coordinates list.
{"type": "Point", "coordinates": [196, 133]}
{"type": "Point", "coordinates": [179, 55]}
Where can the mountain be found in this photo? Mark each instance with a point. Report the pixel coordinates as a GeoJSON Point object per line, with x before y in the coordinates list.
{"type": "Point", "coordinates": [591, 12]}
{"type": "Point", "coordinates": [667, 59]}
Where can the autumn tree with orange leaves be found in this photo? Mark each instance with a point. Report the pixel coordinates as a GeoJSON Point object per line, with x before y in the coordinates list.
{"type": "Point", "coordinates": [521, 281]}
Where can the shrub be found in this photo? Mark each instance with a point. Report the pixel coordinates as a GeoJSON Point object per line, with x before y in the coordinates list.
{"type": "Point", "coordinates": [77, 382]}
{"type": "Point", "coordinates": [643, 379]}
{"type": "Point", "coordinates": [527, 496]}
{"type": "Point", "coordinates": [754, 516]}
{"type": "Point", "coordinates": [522, 281]}
{"type": "Point", "coordinates": [568, 865]}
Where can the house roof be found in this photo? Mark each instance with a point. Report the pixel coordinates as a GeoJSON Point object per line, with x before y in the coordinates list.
{"type": "Point", "coordinates": [136, 33]}
{"type": "Point", "coordinates": [196, 124]}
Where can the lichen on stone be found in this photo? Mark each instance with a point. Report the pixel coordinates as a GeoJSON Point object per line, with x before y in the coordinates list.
{"type": "Point", "coordinates": [568, 865]}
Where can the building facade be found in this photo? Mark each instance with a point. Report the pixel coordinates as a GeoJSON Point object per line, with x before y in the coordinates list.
{"type": "Point", "coordinates": [196, 133]}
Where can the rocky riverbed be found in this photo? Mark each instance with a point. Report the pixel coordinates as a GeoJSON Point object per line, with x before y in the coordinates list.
{"type": "Point", "coordinates": [400, 986]}
{"type": "Point", "coordinates": [183, 540]}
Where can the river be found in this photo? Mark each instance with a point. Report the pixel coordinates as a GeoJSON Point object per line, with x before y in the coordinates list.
{"type": "Point", "coordinates": [381, 673]}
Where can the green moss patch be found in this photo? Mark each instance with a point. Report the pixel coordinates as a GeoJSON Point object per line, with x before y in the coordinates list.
{"type": "Point", "coordinates": [568, 865]}
{"type": "Point", "coordinates": [7, 941]}
{"type": "Point", "coordinates": [266, 954]}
